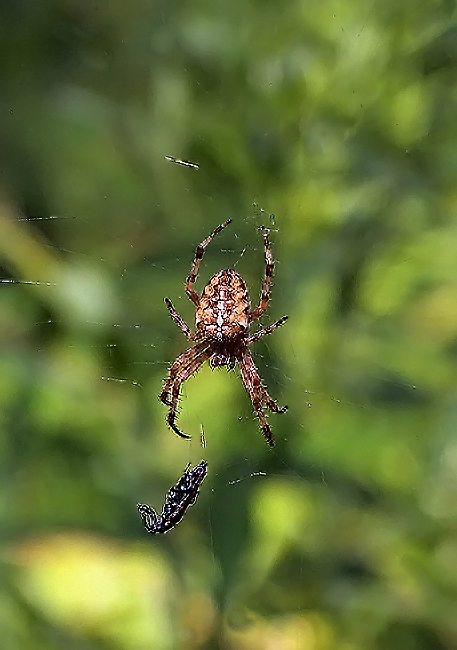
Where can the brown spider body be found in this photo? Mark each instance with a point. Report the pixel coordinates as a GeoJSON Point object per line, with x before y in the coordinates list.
{"type": "Point", "coordinates": [222, 318]}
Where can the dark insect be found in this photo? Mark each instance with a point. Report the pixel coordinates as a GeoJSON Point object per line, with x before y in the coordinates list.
{"type": "Point", "coordinates": [222, 320]}
{"type": "Point", "coordinates": [178, 499]}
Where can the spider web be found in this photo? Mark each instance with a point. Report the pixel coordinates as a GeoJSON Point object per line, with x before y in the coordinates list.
{"type": "Point", "coordinates": [141, 352]}
{"type": "Point", "coordinates": [133, 340]}
{"type": "Point", "coordinates": [340, 483]}
{"type": "Point", "coordinates": [141, 335]}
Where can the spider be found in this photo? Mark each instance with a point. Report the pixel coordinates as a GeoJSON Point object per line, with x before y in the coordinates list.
{"type": "Point", "coordinates": [222, 319]}
{"type": "Point", "coordinates": [178, 499]}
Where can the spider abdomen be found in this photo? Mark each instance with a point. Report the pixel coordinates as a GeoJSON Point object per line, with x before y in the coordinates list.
{"type": "Point", "coordinates": [224, 307]}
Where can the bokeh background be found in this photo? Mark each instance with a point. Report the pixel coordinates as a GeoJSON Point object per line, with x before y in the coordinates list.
{"type": "Point", "coordinates": [334, 124]}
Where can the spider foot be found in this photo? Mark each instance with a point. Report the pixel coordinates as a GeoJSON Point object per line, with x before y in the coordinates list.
{"type": "Point", "coordinates": [173, 426]}
{"type": "Point", "coordinates": [164, 398]}
{"type": "Point", "coordinates": [275, 408]}
{"type": "Point", "coordinates": [268, 435]}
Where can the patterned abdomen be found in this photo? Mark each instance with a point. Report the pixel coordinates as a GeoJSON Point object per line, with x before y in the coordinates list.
{"type": "Point", "coordinates": [223, 312]}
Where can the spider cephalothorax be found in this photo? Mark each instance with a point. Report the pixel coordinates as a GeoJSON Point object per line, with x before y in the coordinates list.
{"type": "Point", "coordinates": [222, 319]}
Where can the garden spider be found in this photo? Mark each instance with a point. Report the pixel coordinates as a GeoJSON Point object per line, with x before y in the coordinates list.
{"type": "Point", "coordinates": [222, 320]}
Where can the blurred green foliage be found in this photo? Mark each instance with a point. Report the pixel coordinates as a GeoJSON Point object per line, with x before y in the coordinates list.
{"type": "Point", "coordinates": [335, 125]}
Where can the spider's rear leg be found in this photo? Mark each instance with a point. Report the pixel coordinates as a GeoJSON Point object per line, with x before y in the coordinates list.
{"type": "Point", "coordinates": [272, 405]}
{"type": "Point", "coordinates": [182, 360]}
{"type": "Point", "coordinates": [266, 399]}
{"type": "Point", "coordinates": [263, 422]}
{"type": "Point", "coordinates": [257, 392]}
{"type": "Point", "coordinates": [257, 404]}
{"type": "Point", "coordinates": [184, 373]}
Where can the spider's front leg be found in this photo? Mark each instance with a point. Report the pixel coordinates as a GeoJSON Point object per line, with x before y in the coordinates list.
{"type": "Point", "coordinates": [193, 295]}
{"type": "Point", "coordinates": [260, 388]}
{"type": "Point", "coordinates": [179, 321]}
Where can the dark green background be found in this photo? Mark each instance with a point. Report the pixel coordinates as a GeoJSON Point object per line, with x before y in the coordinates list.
{"type": "Point", "coordinates": [335, 125]}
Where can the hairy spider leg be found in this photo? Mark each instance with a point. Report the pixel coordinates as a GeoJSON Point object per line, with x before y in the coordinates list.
{"type": "Point", "coordinates": [266, 330]}
{"type": "Point", "coordinates": [258, 311]}
{"type": "Point", "coordinates": [183, 359]}
{"type": "Point", "coordinates": [193, 295]}
{"type": "Point", "coordinates": [253, 388]}
{"type": "Point", "coordinates": [181, 377]}
{"type": "Point", "coordinates": [257, 392]}
{"type": "Point", "coordinates": [265, 396]}
{"type": "Point", "coordinates": [180, 322]}
{"type": "Point", "coordinates": [272, 405]}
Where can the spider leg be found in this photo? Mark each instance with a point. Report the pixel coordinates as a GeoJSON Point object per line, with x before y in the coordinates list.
{"type": "Point", "coordinates": [183, 374]}
{"type": "Point", "coordinates": [272, 405]}
{"type": "Point", "coordinates": [258, 311]}
{"type": "Point", "coordinates": [266, 330]}
{"type": "Point", "coordinates": [183, 359]}
{"type": "Point", "coordinates": [179, 321]}
{"type": "Point", "coordinates": [257, 392]}
{"type": "Point", "coordinates": [193, 295]}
